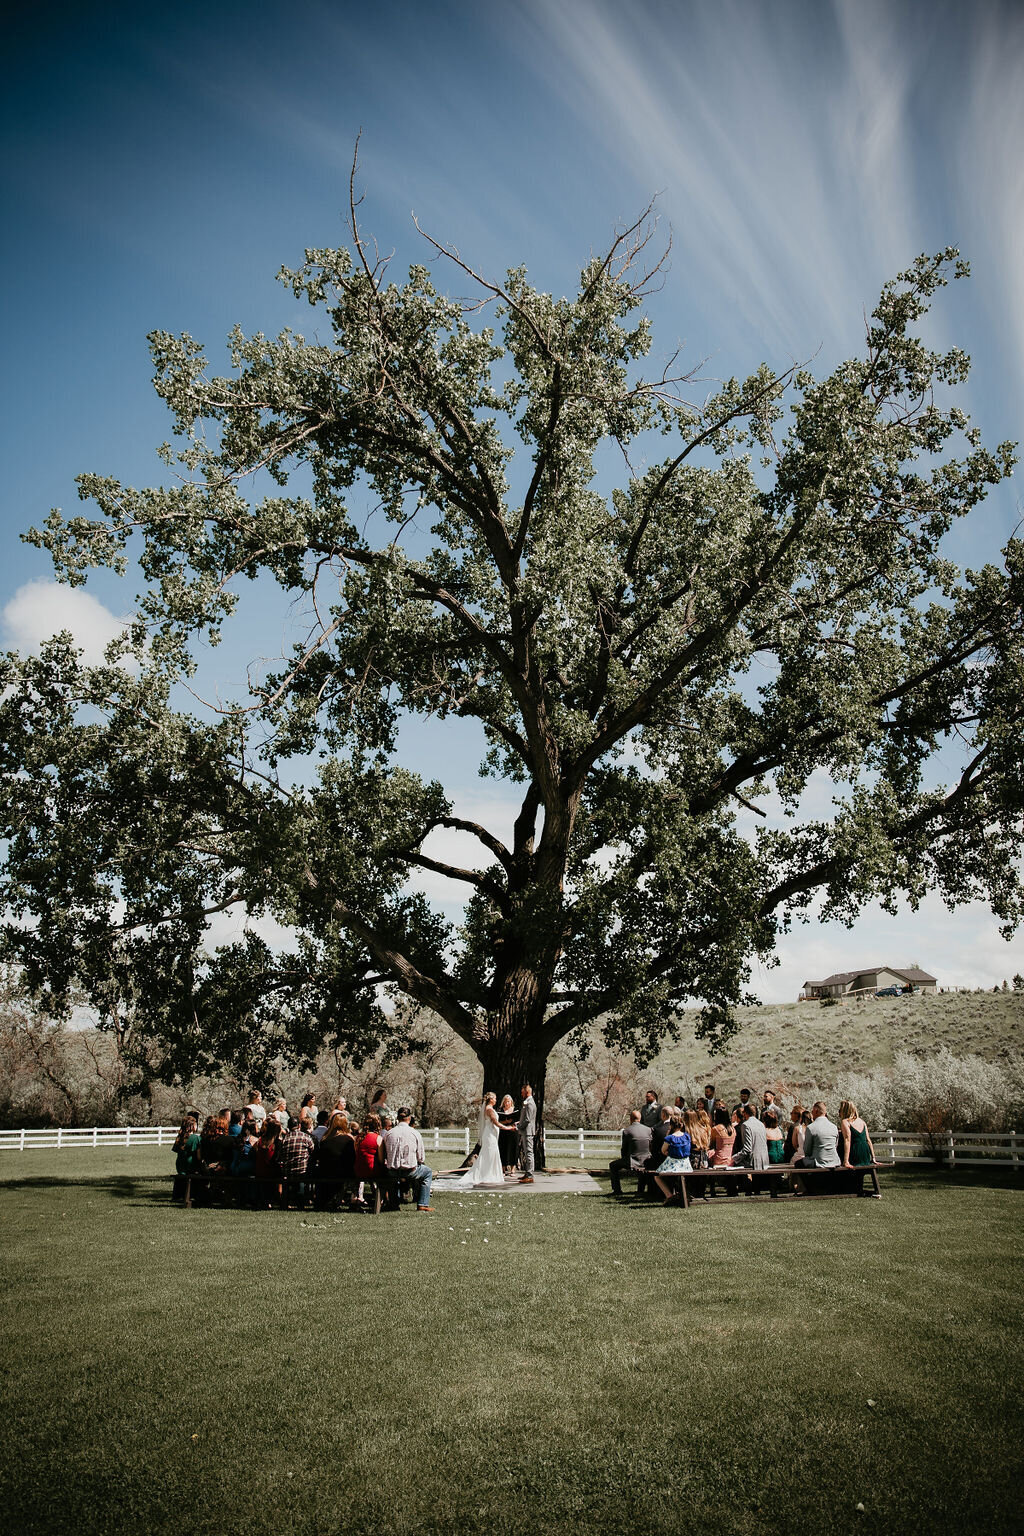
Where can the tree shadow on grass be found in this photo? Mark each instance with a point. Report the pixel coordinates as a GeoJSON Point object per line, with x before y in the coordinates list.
{"type": "Point", "coordinates": [932, 1176]}
{"type": "Point", "coordinates": [154, 1189]}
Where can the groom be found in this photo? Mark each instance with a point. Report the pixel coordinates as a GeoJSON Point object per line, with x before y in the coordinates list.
{"type": "Point", "coordinates": [526, 1125]}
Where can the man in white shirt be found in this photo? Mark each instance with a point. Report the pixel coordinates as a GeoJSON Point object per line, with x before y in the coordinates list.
{"type": "Point", "coordinates": [404, 1158]}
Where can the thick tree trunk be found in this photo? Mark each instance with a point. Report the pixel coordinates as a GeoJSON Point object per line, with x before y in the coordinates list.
{"type": "Point", "coordinates": [508, 1064]}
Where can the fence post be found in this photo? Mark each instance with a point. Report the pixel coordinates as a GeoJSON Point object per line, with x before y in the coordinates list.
{"type": "Point", "coordinates": [59, 1130]}
{"type": "Point", "coordinates": [892, 1147]}
{"type": "Point", "coordinates": [952, 1150]}
{"type": "Point", "coordinates": [437, 1139]}
{"type": "Point", "coordinates": [583, 1145]}
{"type": "Point", "coordinates": [466, 1133]}
{"type": "Point", "coordinates": [127, 1135]}
{"type": "Point", "coordinates": [95, 1135]}
{"type": "Point", "coordinates": [1014, 1157]}
{"type": "Point", "coordinates": [22, 1147]}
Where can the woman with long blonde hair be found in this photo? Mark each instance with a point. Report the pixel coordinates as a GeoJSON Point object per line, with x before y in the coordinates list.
{"type": "Point", "coordinates": [857, 1150]}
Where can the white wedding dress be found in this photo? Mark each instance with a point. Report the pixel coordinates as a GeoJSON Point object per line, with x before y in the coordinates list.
{"type": "Point", "coordinates": [487, 1169]}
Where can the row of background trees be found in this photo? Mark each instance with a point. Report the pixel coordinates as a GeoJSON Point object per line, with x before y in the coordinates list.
{"type": "Point", "coordinates": [51, 1074]}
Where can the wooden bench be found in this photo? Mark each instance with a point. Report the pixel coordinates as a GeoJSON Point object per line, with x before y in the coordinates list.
{"type": "Point", "coordinates": [242, 1182]}
{"type": "Point", "coordinates": [767, 1181]}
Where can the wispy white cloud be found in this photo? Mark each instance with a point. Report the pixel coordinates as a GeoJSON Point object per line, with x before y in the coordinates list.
{"type": "Point", "coordinates": [793, 169]}
{"type": "Point", "coordinates": [990, 171]}
{"type": "Point", "coordinates": [41, 609]}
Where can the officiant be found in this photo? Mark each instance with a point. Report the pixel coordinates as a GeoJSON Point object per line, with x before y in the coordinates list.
{"type": "Point", "coordinates": [508, 1136]}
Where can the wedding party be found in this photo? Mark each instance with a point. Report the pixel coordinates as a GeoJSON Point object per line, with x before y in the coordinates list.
{"type": "Point", "coordinates": [328, 1159]}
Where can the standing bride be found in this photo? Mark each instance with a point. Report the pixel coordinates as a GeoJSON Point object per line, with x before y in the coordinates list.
{"type": "Point", "coordinates": [487, 1169]}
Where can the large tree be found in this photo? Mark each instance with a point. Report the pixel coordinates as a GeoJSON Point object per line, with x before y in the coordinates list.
{"type": "Point", "coordinates": [764, 596]}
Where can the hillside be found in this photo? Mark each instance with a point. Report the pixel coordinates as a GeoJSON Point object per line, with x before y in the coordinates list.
{"type": "Point", "coordinates": [790, 1043]}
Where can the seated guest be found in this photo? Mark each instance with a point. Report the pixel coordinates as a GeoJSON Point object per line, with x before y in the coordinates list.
{"type": "Point", "coordinates": [799, 1136]}
{"type": "Point", "coordinates": [186, 1154]}
{"type": "Point", "coordinates": [404, 1158]}
{"type": "Point", "coordinates": [821, 1140]}
{"type": "Point", "coordinates": [794, 1133]}
{"type": "Point", "coordinates": [773, 1136]}
{"type": "Point", "coordinates": [242, 1163]}
{"type": "Point", "coordinates": [264, 1161]}
{"type": "Point", "coordinates": [367, 1147]}
{"type": "Point", "coordinates": [235, 1123]}
{"type": "Point", "coordinates": [660, 1128]}
{"type": "Point", "coordinates": [675, 1151]}
{"type": "Point", "coordinates": [698, 1127]}
{"type": "Point", "coordinates": [700, 1138]}
{"type": "Point", "coordinates": [216, 1147]}
{"type": "Point", "coordinates": [319, 1131]}
{"type": "Point", "coordinates": [753, 1151]}
{"type": "Point", "coordinates": [723, 1139]}
{"type": "Point", "coordinates": [634, 1150]}
{"type": "Point", "coordinates": [294, 1149]}
{"type": "Point", "coordinates": [336, 1159]}
{"type": "Point", "coordinates": [857, 1149]}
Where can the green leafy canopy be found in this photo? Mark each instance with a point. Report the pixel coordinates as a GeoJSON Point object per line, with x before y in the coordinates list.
{"type": "Point", "coordinates": [763, 597]}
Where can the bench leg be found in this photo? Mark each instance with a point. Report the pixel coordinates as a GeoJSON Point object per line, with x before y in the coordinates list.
{"type": "Point", "coordinates": [875, 1184]}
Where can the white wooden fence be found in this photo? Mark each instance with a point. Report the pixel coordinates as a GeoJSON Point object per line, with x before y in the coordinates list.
{"type": "Point", "coordinates": [968, 1148]}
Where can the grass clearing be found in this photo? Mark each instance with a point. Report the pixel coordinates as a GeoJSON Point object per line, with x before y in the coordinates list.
{"type": "Point", "coordinates": [529, 1364]}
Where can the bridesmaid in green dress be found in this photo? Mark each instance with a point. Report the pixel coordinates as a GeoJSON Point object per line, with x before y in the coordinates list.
{"type": "Point", "coordinates": [774, 1137]}
{"type": "Point", "coordinates": [858, 1151]}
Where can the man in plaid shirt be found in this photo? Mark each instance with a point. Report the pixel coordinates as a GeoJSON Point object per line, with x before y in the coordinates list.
{"type": "Point", "coordinates": [294, 1150]}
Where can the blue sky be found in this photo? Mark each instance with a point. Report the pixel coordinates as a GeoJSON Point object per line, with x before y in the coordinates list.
{"type": "Point", "coordinates": [162, 162]}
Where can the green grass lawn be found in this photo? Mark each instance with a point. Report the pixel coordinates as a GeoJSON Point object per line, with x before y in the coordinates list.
{"type": "Point", "coordinates": [532, 1364]}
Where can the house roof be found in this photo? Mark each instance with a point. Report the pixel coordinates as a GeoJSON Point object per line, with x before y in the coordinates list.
{"type": "Point", "coordinates": [843, 978]}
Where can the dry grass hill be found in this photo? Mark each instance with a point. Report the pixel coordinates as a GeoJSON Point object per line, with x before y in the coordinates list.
{"type": "Point", "coordinates": [791, 1043]}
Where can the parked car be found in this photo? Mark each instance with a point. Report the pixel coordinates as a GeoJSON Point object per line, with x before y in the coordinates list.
{"type": "Point", "coordinates": [888, 992]}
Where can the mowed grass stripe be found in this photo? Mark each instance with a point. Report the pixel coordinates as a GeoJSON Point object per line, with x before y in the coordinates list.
{"type": "Point", "coordinates": [591, 1365]}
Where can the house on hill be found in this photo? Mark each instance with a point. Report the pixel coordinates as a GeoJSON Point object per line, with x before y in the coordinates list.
{"type": "Point", "coordinates": [872, 979]}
